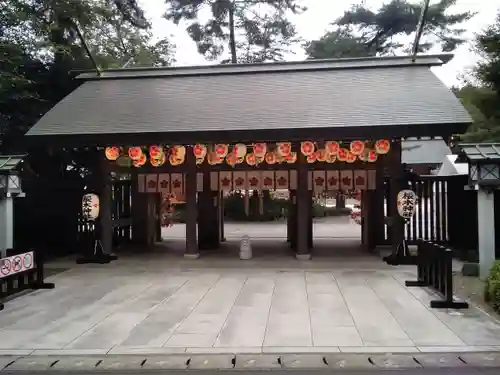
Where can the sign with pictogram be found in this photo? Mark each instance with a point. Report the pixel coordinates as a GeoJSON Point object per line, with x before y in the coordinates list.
{"type": "Point", "coordinates": [15, 264]}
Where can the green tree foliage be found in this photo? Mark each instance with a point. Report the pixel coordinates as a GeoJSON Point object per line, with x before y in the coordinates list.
{"type": "Point", "coordinates": [248, 30]}
{"type": "Point", "coordinates": [363, 32]}
{"type": "Point", "coordinates": [481, 96]}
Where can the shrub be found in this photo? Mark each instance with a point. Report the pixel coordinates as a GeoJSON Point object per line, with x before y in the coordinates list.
{"type": "Point", "coordinates": [492, 292]}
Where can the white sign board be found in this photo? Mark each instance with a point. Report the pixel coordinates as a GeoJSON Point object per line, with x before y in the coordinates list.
{"type": "Point", "coordinates": [17, 263]}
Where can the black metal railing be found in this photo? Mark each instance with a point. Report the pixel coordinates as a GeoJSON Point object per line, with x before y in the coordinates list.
{"type": "Point", "coordinates": [435, 270]}
{"type": "Point", "coordinates": [21, 270]}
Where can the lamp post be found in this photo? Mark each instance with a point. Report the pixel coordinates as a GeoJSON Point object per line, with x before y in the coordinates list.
{"type": "Point", "coordinates": [10, 187]}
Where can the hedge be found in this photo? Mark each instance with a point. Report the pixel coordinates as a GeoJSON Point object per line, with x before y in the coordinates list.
{"type": "Point", "coordinates": [492, 292]}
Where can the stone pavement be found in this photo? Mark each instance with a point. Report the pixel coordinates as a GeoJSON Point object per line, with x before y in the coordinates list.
{"type": "Point", "coordinates": [156, 302]}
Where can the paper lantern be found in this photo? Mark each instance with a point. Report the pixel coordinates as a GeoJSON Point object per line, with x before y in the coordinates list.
{"type": "Point", "coordinates": [307, 148]}
{"type": "Point", "coordinates": [406, 202]}
{"type": "Point", "coordinates": [112, 153]}
{"type": "Point", "coordinates": [199, 161]}
{"type": "Point", "coordinates": [259, 159]}
{"type": "Point", "coordinates": [179, 152]}
{"type": "Point", "coordinates": [351, 158]}
{"type": "Point", "coordinates": [231, 159]}
{"type": "Point", "coordinates": [311, 158]}
{"type": "Point", "coordinates": [221, 150]}
{"type": "Point", "coordinates": [158, 162]}
{"type": "Point", "coordinates": [212, 159]}
{"type": "Point", "coordinates": [292, 158]}
{"type": "Point", "coordinates": [357, 147]}
{"type": "Point", "coordinates": [135, 153]}
{"type": "Point", "coordinates": [90, 206]}
{"type": "Point", "coordinates": [342, 154]}
{"type": "Point", "coordinates": [240, 150]}
{"type": "Point", "coordinates": [321, 155]}
{"type": "Point", "coordinates": [283, 148]}
{"type": "Point", "coordinates": [240, 160]}
{"type": "Point", "coordinates": [382, 146]}
{"type": "Point", "coordinates": [271, 158]}
{"type": "Point", "coordinates": [259, 150]}
{"type": "Point", "coordinates": [141, 161]}
{"type": "Point", "coordinates": [199, 151]}
{"type": "Point", "coordinates": [250, 159]}
{"type": "Point", "coordinates": [332, 147]}
{"type": "Point", "coordinates": [371, 156]}
{"type": "Point", "coordinates": [331, 158]}
{"type": "Point", "coordinates": [155, 152]}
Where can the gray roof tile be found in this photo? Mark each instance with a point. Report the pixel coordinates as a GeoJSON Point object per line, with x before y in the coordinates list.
{"type": "Point", "coordinates": [375, 96]}
{"type": "Point", "coordinates": [476, 152]}
{"type": "Point", "coordinates": [424, 151]}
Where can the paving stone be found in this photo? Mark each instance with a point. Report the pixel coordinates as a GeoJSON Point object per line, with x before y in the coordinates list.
{"type": "Point", "coordinates": [121, 362]}
{"type": "Point", "coordinates": [219, 361]}
{"type": "Point", "coordinates": [5, 360]}
{"type": "Point", "coordinates": [77, 363]}
{"type": "Point", "coordinates": [394, 361]}
{"type": "Point", "coordinates": [439, 360]}
{"type": "Point", "coordinates": [166, 362]}
{"type": "Point", "coordinates": [33, 363]}
{"type": "Point", "coordinates": [482, 359]}
{"type": "Point", "coordinates": [263, 361]}
{"type": "Point", "coordinates": [303, 361]}
{"type": "Point", "coordinates": [349, 361]}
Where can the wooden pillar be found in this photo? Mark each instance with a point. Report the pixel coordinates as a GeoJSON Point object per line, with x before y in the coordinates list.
{"type": "Point", "coordinates": [105, 204]}
{"type": "Point", "coordinates": [191, 206]}
{"type": "Point", "coordinates": [396, 185]}
{"type": "Point", "coordinates": [292, 219]}
{"type": "Point", "coordinates": [369, 218]}
{"type": "Point", "coordinates": [159, 203]}
{"type": "Point", "coordinates": [303, 201]}
{"type": "Point", "coordinates": [310, 219]}
{"type": "Point", "coordinates": [221, 216]}
{"type": "Point", "coordinates": [378, 208]}
{"type": "Point", "coordinates": [208, 220]}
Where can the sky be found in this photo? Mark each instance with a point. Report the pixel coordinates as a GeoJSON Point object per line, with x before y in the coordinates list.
{"type": "Point", "coordinates": [313, 23]}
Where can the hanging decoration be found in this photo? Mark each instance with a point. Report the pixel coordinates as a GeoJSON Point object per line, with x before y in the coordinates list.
{"type": "Point", "coordinates": [291, 158]}
{"type": "Point", "coordinates": [178, 152]}
{"type": "Point", "coordinates": [307, 148]}
{"type": "Point", "coordinates": [382, 146]}
{"type": "Point", "coordinates": [135, 153]}
{"type": "Point", "coordinates": [283, 148]}
{"type": "Point", "coordinates": [240, 150]}
{"type": "Point", "coordinates": [331, 158]}
{"type": "Point", "coordinates": [259, 159]}
{"type": "Point", "coordinates": [342, 154]}
{"type": "Point", "coordinates": [332, 147]}
{"type": "Point", "coordinates": [112, 153]}
{"type": "Point", "coordinates": [141, 161]}
{"type": "Point", "coordinates": [357, 147]}
{"type": "Point", "coordinates": [155, 152]}
{"type": "Point", "coordinates": [270, 158]}
{"type": "Point", "coordinates": [371, 156]}
{"type": "Point", "coordinates": [231, 159]}
{"type": "Point", "coordinates": [250, 159]}
{"type": "Point", "coordinates": [259, 150]}
{"type": "Point", "coordinates": [321, 155]}
{"type": "Point", "coordinates": [351, 158]}
{"type": "Point", "coordinates": [311, 158]}
{"type": "Point", "coordinates": [221, 150]}
{"type": "Point", "coordinates": [199, 151]}
{"type": "Point", "coordinates": [158, 162]}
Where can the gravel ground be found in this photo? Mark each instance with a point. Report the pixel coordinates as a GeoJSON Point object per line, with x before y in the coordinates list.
{"type": "Point", "coordinates": [472, 289]}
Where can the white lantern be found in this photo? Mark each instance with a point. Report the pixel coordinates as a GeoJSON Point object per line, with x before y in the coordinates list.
{"type": "Point", "coordinates": [407, 201]}
{"type": "Point", "coordinates": [90, 206]}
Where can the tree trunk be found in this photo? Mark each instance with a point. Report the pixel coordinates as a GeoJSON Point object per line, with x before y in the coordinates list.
{"type": "Point", "coordinates": [232, 38]}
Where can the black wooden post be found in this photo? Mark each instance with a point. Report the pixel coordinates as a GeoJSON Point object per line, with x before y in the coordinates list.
{"type": "Point", "coordinates": [303, 201]}
{"type": "Point", "coordinates": [191, 206]}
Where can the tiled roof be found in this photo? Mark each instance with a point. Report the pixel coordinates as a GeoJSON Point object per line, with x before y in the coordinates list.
{"type": "Point", "coordinates": [478, 152]}
{"type": "Point", "coordinates": [424, 151]}
{"type": "Point", "coordinates": [9, 162]}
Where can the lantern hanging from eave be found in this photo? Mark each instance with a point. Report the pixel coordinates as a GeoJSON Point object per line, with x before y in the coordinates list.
{"type": "Point", "coordinates": [311, 158]}
{"type": "Point", "coordinates": [279, 158]}
{"type": "Point", "coordinates": [240, 160]}
{"type": "Point", "coordinates": [270, 158]}
{"type": "Point", "coordinates": [199, 151]}
{"type": "Point", "coordinates": [332, 147]}
{"type": "Point", "coordinates": [221, 150]}
{"type": "Point", "coordinates": [211, 158]}
{"type": "Point", "coordinates": [259, 159]}
{"type": "Point", "coordinates": [283, 148]}
{"type": "Point", "coordinates": [331, 158]}
{"type": "Point", "coordinates": [90, 206]}
{"type": "Point", "coordinates": [250, 159]}
{"type": "Point", "coordinates": [259, 150]}
{"type": "Point", "coordinates": [141, 161]}
{"type": "Point", "coordinates": [357, 147]}
{"type": "Point", "coordinates": [135, 153]}
{"type": "Point", "coordinates": [158, 162]}
{"type": "Point", "coordinates": [112, 153]}
{"type": "Point", "coordinates": [155, 151]}
{"type": "Point", "coordinates": [178, 152]}
{"type": "Point", "coordinates": [231, 159]}
{"type": "Point", "coordinates": [382, 146]}
{"type": "Point", "coordinates": [307, 148]}
{"type": "Point", "coordinates": [321, 155]}
{"type": "Point", "coordinates": [292, 158]}
{"type": "Point", "coordinates": [240, 150]}
{"type": "Point", "coordinates": [342, 154]}
{"type": "Point", "coordinates": [199, 161]}
{"type": "Point", "coordinates": [371, 156]}
{"type": "Point", "coordinates": [351, 158]}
